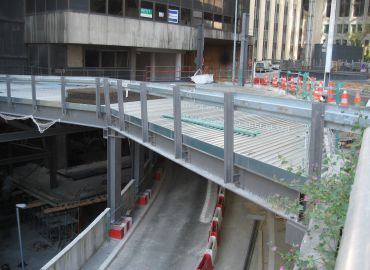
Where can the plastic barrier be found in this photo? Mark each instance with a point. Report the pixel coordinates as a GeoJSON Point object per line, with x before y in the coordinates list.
{"type": "Point", "coordinates": [214, 230]}
{"type": "Point", "coordinates": [206, 262]}
{"type": "Point", "coordinates": [143, 198]}
{"type": "Point", "coordinates": [158, 175]}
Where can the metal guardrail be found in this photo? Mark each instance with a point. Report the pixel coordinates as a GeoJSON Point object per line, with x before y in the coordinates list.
{"type": "Point", "coordinates": [355, 242]}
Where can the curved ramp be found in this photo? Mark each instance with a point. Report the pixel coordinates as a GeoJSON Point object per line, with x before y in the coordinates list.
{"type": "Point", "coordinates": [170, 236]}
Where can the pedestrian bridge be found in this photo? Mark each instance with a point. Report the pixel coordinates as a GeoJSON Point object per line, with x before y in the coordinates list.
{"type": "Point", "coordinates": [246, 141]}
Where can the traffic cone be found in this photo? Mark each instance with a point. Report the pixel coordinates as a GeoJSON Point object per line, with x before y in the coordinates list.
{"type": "Point", "coordinates": [283, 83]}
{"type": "Point", "coordinates": [274, 82]}
{"type": "Point", "coordinates": [357, 100]}
{"type": "Point", "coordinates": [266, 80]}
{"type": "Point", "coordinates": [344, 99]}
{"type": "Point", "coordinates": [308, 87]}
{"type": "Point", "coordinates": [320, 89]}
{"type": "Point", "coordinates": [292, 85]}
{"type": "Point", "coordinates": [316, 96]}
{"type": "Point", "coordinates": [331, 93]}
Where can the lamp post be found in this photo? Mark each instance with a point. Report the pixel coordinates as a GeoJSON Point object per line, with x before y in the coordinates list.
{"type": "Point", "coordinates": [17, 207]}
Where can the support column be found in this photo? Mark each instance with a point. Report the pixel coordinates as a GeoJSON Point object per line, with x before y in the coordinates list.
{"type": "Point", "coordinates": [309, 40]}
{"type": "Point", "coordinates": [252, 8]}
{"type": "Point", "coordinates": [261, 29]}
{"type": "Point", "coordinates": [279, 39]}
{"type": "Point", "coordinates": [270, 220]}
{"type": "Point", "coordinates": [114, 177]}
{"type": "Point", "coordinates": [289, 30]}
{"type": "Point", "coordinates": [61, 149]}
{"type": "Point", "coordinates": [297, 26]}
{"type": "Point", "coordinates": [200, 46]}
{"type": "Point", "coordinates": [137, 157]}
{"type": "Point", "coordinates": [178, 66]}
{"type": "Point", "coordinates": [133, 64]}
{"type": "Point", "coordinates": [243, 59]}
{"type": "Point", "coordinates": [270, 34]}
{"type": "Point", "coordinates": [51, 145]}
{"type": "Point", "coordinates": [152, 66]}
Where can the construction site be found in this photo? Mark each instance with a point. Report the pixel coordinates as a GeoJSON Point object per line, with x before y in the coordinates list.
{"type": "Point", "coordinates": [178, 135]}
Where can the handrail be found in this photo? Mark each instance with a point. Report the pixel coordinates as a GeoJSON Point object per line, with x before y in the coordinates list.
{"type": "Point", "coordinates": [355, 243]}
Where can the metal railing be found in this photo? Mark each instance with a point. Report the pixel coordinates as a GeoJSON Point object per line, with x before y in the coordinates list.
{"type": "Point", "coordinates": [355, 242]}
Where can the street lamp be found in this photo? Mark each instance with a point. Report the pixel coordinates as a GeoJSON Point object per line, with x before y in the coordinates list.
{"type": "Point", "coordinates": [17, 207]}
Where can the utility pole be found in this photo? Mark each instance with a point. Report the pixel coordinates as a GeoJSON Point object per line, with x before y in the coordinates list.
{"type": "Point", "coordinates": [243, 62]}
{"type": "Point", "coordinates": [310, 32]}
{"type": "Point", "coordinates": [234, 49]}
{"type": "Point", "coordinates": [330, 41]}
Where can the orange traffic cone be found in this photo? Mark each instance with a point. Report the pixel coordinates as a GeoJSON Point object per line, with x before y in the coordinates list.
{"type": "Point", "coordinates": [316, 96]}
{"type": "Point", "coordinates": [274, 82]}
{"type": "Point", "coordinates": [292, 85]}
{"type": "Point", "coordinates": [320, 89]}
{"type": "Point", "coordinates": [344, 99]}
{"type": "Point", "coordinates": [283, 83]}
{"type": "Point", "coordinates": [331, 93]}
{"type": "Point", "coordinates": [357, 100]}
{"type": "Point", "coordinates": [308, 86]}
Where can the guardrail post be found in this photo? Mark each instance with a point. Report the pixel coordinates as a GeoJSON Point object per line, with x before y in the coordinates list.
{"type": "Point", "coordinates": [63, 94]}
{"type": "Point", "coordinates": [121, 105]}
{"type": "Point", "coordinates": [316, 141]}
{"type": "Point", "coordinates": [144, 112]}
{"type": "Point", "coordinates": [9, 90]}
{"type": "Point", "coordinates": [177, 121]}
{"type": "Point", "coordinates": [108, 116]}
{"type": "Point", "coordinates": [33, 86]}
{"type": "Point", "coordinates": [229, 137]}
{"type": "Point", "coordinates": [97, 98]}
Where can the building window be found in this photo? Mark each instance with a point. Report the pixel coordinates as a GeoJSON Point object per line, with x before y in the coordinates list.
{"type": "Point", "coordinates": [30, 6]}
{"type": "Point", "coordinates": [208, 18]}
{"type": "Point", "coordinates": [122, 59]}
{"type": "Point", "coordinates": [328, 8]}
{"type": "Point", "coordinates": [160, 12]}
{"type": "Point", "coordinates": [344, 8]}
{"type": "Point", "coordinates": [132, 8]}
{"type": "Point", "coordinates": [217, 21]}
{"type": "Point", "coordinates": [185, 16]}
{"type": "Point", "coordinates": [345, 28]}
{"type": "Point", "coordinates": [51, 5]}
{"type": "Point", "coordinates": [97, 6]}
{"type": "Point", "coordinates": [339, 28]}
{"type": "Point", "coordinates": [115, 7]}
{"type": "Point", "coordinates": [359, 28]}
{"type": "Point", "coordinates": [358, 8]}
{"type": "Point", "coordinates": [326, 28]}
{"type": "Point", "coordinates": [80, 5]}
{"type": "Point", "coordinates": [353, 28]}
{"type": "Point", "coordinates": [107, 59]}
{"type": "Point", "coordinates": [91, 58]}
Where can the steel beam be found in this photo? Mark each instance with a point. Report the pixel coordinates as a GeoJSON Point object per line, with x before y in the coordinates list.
{"type": "Point", "coordinates": [137, 157]}
{"type": "Point", "coordinates": [97, 98]}
{"type": "Point", "coordinates": [144, 112]}
{"type": "Point", "coordinates": [114, 176]}
{"type": "Point", "coordinates": [316, 141]}
{"type": "Point", "coordinates": [108, 116]}
{"type": "Point", "coordinates": [9, 90]}
{"type": "Point", "coordinates": [33, 87]}
{"type": "Point", "coordinates": [63, 94]}
{"type": "Point", "coordinates": [229, 137]}
{"type": "Point", "coordinates": [120, 105]}
{"type": "Point", "coordinates": [177, 121]}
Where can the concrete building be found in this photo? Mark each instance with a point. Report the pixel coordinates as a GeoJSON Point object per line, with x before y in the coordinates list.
{"type": "Point", "coordinates": [277, 28]}
{"type": "Point", "coordinates": [352, 19]}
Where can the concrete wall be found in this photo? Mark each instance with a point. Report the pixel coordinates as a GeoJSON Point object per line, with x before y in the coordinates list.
{"type": "Point", "coordinates": [76, 253]}
{"type": "Point", "coordinates": [75, 56]}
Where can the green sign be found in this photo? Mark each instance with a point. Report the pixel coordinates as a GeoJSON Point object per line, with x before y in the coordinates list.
{"type": "Point", "coordinates": [146, 13]}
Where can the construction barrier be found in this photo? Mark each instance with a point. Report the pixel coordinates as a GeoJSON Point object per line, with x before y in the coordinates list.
{"type": "Point", "coordinates": [344, 99]}
{"type": "Point", "coordinates": [144, 197]}
{"type": "Point", "coordinates": [206, 263]}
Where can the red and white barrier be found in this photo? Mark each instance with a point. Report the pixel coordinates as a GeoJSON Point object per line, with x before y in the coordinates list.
{"type": "Point", "coordinates": [144, 197]}
{"type": "Point", "coordinates": [119, 231]}
{"type": "Point", "coordinates": [158, 175]}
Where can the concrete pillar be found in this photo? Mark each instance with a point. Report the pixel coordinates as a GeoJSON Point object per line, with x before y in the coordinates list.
{"type": "Point", "coordinates": [279, 39]}
{"type": "Point", "coordinates": [137, 157]}
{"type": "Point", "coordinates": [178, 66]}
{"type": "Point", "coordinates": [133, 64]}
{"type": "Point", "coordinates": [252, 7]}
{"type": "Point", "coordinates": [114, 177]}
{"type": "Point", "coordinates": [270, 222]}
{"type": "Point", "coordinates": [270, 34]}
{"type": "Point", "coordinates": [62, 146]}
{"type": "Point", "coordinates": [289, 30]}
{"type": "Point", "coordinates": [152, 66]}
{"type": "Point", "coordinates": [51, 145]}
{"type": "Point", "coordinates": [260, 250]}
{"type": "Point", "coordinates": [297, 26]}
{"type": "Point", "coordinates": [261, 29]}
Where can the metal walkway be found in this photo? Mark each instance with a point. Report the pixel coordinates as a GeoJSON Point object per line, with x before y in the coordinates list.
{"type": "Point", "coordinates": [248, 166]}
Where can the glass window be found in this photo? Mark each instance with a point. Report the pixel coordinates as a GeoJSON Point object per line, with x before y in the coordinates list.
{"type": "Point", "coordinates": [208, 18]}
{"type": "Point", "coordinates": [132, 8]}
{"type": "Point", "coordinates": [107, 59]}
{"type": "Point", "coordinates": [62, 4]}
{"type": "Point", "coordinates": [359, 28]}
{"type": "Point", "coordinates": [358, 8]}
{"type": "Point", "coordinates": [122, 59]}
{"type": "Point", "coordinates": [344, 42]}
{"type": "Point", "coordinates": [91, 58]}
{"type": "Point", "coordinates": [217, 21]}
{"type": "Point", "coordinates": [146, 10]}
{"type": "Point", "coordinates": [30, 6]}
{"type": "Point", "coordinates": [328, 8]}
{"type": "Point", "coordinates": [115, 7]}
{"type": "Point", "coordinates": [40, 5]}
{"type": "Point", "coordinates": [353, 28]}
{"type": "Point", "coordinates": [185, 16]}
{"type": "Point", "coordinates": [51, 5]}
{"type": "Point", "coordinates": [97, 6]}
{"type": "Point", "coordinates": [344, 8]}
{"type": "Point", "coordinates": [345, 28]}
{"type": "Point", "coordinates": [160, 12]}
{"type": "Point", "coordinates": [337, 42]}
{"type": "Point", "coordinates": [82, 5]}
{"type": "Point", "coordinates": [326, 28]}
{"type": "Point", "coordinates": [339, 28]}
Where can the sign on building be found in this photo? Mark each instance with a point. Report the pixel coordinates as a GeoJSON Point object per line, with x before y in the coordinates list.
{"type": "Point", "coordinates": [146, 13]}
{"type": "Point", "coordinates": [173, 16]}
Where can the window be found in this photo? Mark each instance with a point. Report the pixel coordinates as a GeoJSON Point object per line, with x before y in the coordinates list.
{"type": "Point", "coordinates": [51, 5]}
{"type": "Point", "coordinates": [344, 42]}
{"type": "Point", "coordinates": [345, 28]}
{"type": "Point", "coordinates": [208, 18]}
{"type": "Point", "coordinates": [358, 8]}
{"type": "Point", "coordinates": [82, 5]}
{"type": "Point", "coordinates": [185, 16]}
{"type": "Point", "coordinates": [353, 28]}
{"type": "Point", "coordinates": [30, 6]}
{"type": "Point", "coordinates": [339, 28]}
{"type": "Point", "coordinates": [173, 14]}
{"type": "Point", "coordinates": [217, 21]}
{"type": "Point", "coordinates": [326, 28]}
{"type": "Point", "coordinates": [337, 42]}
{"type": "Point", "coordinates": [62, 4]}
{"type": "Point", "coordinates": [160, 12]}
{"type": "Point", "coordinates": [40, 5]}
{"type": "Point", "coordinates": [115, 7]}
{"type": "Point", "coordinates": [344, 8]}
{"type": "Point", "coordinates": [132, 8]}
{"type": "Point", "coordinates": [146, 10]}
{"type": "Point", "coordinates": [122, 59]}
{"type": "Point", "coordinates": [328, 8]}
{"type": "Point", "coordinates": [359, 28]}
{"type": "Point", "coordinates": [107, 59]}
{"type": "Point", "coordinates": [97, 6]}
{"type": "Point", "coordinates": [91, 58]}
